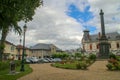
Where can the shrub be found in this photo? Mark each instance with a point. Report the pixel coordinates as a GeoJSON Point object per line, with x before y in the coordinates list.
{"type": "Point", "coordinates": [112, 56]}
{"type": "Point", "coordinates": [6, 64]}
{"type": "Point", "coordinates": [63, 62]}
{"type": "Point", "coordinates": [109, 66]}
{"type": "Point", "coordinates": [81, 65]}
{"type": "Point", "coordinates": [117, 67]}
{"type": "Point", "coordinates": [17, 63]}
{"type": "Point", "coordinates": [118, 58]}
{"type": "Point", "coordinates": [78, 66]}
{"type": "Point", "coordinates": [92, 57]}
{"type": "Point", "coordinates": [113, 61]}
{"type": "Point", "coordinates": [88, 61]}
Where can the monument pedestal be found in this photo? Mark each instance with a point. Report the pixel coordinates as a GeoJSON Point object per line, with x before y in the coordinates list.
{"type": "Point", "coordinates": [103, 50]}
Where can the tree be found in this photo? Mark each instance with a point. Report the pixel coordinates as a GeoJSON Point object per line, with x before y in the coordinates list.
{"type": "Point", "coordinates": [13, 11]}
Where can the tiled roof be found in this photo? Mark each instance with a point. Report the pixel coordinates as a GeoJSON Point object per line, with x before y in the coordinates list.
{"type": "Point", "coordinates": [43, 46]}
{"type": "Point", "coordinates": [10, 43]}
{"type": "Point", "coordinates": [110, 36]}
{"type": "Point", "coordinates": [20, 47]}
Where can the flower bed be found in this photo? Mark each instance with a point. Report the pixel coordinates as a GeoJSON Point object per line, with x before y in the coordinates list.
{"type": "Point", "coordinates": [113, 63]}
{"type": "Point", "coordinates": [73, 64]}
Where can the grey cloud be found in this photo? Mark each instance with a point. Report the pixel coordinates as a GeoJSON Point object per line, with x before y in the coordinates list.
{"type": "Point", "coordinates": [111, 10]}
{"type": "Point", "coordinates": [50, 23]}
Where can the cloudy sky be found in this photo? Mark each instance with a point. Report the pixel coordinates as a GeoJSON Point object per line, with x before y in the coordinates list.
{"type": "Point", "coordinates": [61, 22]}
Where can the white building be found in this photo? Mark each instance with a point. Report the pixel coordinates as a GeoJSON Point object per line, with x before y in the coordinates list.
{"type": "Point", "coordinates": [90, 43]}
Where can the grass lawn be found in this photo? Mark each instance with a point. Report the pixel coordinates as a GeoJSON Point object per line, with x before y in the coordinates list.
{"type": "Point", "coordinates": [73, 65]}
{"type": "Point", "coordinates": [65, 66]}
{"type": "Point", "coordinates": [4, 75]}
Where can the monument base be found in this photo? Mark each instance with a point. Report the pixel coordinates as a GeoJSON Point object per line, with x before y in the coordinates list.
{"type": "Point", "coordinates": [104, 50]}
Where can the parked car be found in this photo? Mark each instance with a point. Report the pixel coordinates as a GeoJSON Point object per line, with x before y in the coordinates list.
{"type": "Point", "coordinates": [49, 59]}
{"type": "Point", "coordinates": [43, 60]}
{"type": "Point", "coordinates": [34, 60]}
{"type": "Point", "coordinates": [27, 60]}
{"type": "Point", "coordinates": [57, 60]}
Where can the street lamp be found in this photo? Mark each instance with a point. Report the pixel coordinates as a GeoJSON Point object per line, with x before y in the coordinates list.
{"type": "Point", "coordinates": [19, 46]}
{"type": "Point", "coordinates": [23, 53]}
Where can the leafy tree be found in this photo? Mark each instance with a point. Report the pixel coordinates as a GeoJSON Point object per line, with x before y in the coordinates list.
{"type": "Point", "coordinates": [13, 11]}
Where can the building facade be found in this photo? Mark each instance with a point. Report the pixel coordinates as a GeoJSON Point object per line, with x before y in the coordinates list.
{"type": "Point", "coordinates": [19, 49]}
{"type": "Point", "coordinates": [10, 51]}
{"type": "Point", "coordinates": [90, 43]}
{"type": "Point", "coordinates": [15, 52]}
{"type": "Point", "coordinates": [44, 50]}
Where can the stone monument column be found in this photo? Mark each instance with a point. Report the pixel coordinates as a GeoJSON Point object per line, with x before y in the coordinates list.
{"type": "Point", "coordinates": [102, 24]}
{"type": "Point", "coordinates": [103, 41]}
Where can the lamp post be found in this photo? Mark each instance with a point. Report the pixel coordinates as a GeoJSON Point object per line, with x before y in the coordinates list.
{"type": "Point", "coordinates": [19, 50]}
{"type": "Point", "coordinates": [23, 53]}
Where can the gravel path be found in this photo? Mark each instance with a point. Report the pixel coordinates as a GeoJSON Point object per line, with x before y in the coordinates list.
{"type": "Point", "coordinates": [96, 71]}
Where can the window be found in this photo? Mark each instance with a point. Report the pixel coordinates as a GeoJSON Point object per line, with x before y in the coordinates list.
{"type": "Point", "coordinates": [97, 46]}
{"type": "Point", "coordinates": [118, 45]}
{"type": "Point", "coordinates": [12, 48]}
{"type": "Point", "coordinates": [90, 46]}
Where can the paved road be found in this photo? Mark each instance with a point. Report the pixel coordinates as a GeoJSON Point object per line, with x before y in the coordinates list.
{"type": "Point", "coordinates": [96, 71]}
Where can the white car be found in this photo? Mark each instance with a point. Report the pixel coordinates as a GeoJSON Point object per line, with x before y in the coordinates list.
{"type": "Point", "coordinates": [27, 60]}
{"type": "Point", "coordinates": [43, 60]}
{"type": "Point", "coordinates": [57, 60]}
{"type": "Point", "coordinates": [34, 59]}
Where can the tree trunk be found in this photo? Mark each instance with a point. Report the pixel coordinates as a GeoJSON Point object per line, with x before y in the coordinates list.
{"type": "Point", "coordinates": [2, 42]}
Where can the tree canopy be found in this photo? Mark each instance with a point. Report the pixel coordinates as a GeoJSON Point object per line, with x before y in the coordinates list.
{"type": "Point", "coordinates": [13, 11]}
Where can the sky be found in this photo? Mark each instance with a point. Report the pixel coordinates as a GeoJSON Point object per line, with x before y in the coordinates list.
{"type": "Point", "coordinates": [61, 22]}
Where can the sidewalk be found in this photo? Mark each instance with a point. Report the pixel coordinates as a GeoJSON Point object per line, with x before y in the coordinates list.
{"type": "Point", "coordinates": [99, 65]}
{"type": "Point", "coordinates": [97, 71]}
